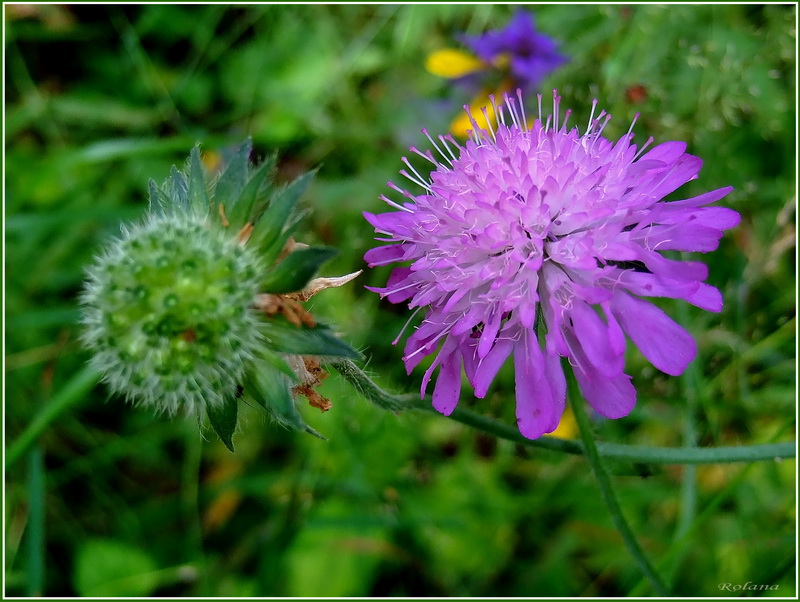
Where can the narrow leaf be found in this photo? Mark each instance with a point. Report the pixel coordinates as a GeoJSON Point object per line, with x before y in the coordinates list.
{"type": "Point", "coordinates": [297, 270]}
{"type": "Point", "coordinates": [223, 420]}
{"type": "Point", "coordinates": [232, 182]}
{"type": "Point", "coordinates": [198, 193]}
{"type": "Point", "coordinates": [272, 226]}
{"type": "Point", "coordinates": [178, 189]}
{"type": "Point", "coordinates": [254, 194]}
{"type": "Point", "coordinates": [159, 202]}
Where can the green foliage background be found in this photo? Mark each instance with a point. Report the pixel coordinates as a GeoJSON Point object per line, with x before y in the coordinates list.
{"type": "Point", "coordinates": [116, 501]}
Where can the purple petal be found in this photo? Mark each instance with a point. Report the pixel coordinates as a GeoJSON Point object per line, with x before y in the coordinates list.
{"type": "Point", "coordinates": [448, 385]}
{"type": "Point", "coordinates": [384, 255]}
{"type": "Point", "coordinates": [481, 372]}
{"type": "Point", "coordinates": [592, 334]}
{"type": "Point", "coordinates": [611, 397]}
{"type": "Point", "coordinates": [662, 341]}
{"type": "Point", "coordinates": [536, 404]}
{"type": "Point", "coordinates": [706, 297]}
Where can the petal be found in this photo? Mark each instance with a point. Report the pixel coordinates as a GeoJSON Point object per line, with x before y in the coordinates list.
{"type": "Point", "coordinates": [448, 385]}
{"type": "Point", "coordinates": [536, 404]}
{"type": "Point", "coordinates": [489, 334]}
{"type": "Point", "coordinates": [704, 199]}
{"type": "Point", "coordinates": [384, 255]}
{"type": "Point", "coordinates": [489, 366]}
{"type": "Point", "coordinates": [593, 336]}
{"type": "Point", "coordinates": [706, 297]}
{"type": "Point", "coordinates": [661, 340]}
{"type": "Point", "coordinates": [612, 397]}
{"type": "Point", "coordinates": [558, 386]}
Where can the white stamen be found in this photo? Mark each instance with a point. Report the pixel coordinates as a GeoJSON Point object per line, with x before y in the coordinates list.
{"type": "Point", "coordinates": [403, 329]}
{"type": "Point", "coordinates": [438, 150]}
{"type": "Point", "coordinates": [522, 109]}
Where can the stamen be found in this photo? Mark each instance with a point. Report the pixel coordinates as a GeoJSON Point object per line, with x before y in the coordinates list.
{"type": "Point", "coordinates": [389, 201]}
{"type": "Point", "coordinates": [512, 110]}
{"type": "Point", "coordinates": [590, 125]}
{"type": "Point", "coordinates": [556, 105]}
{"type": "Point", "coordinates": [498, 114]}
{"type": "Point", "coordinates": [402, 191]}
{"type": "Point", "coordinates": [403, 329]}
{"type": "Point", "coordinates": [421, 181]}
{"type": "Point", "coordinates": [522, 109]}
{"type": "Point", "coordinates": [641, 150]}
{"type": "Point", "coordinates": [446, 141]}
{"type": "Point", "coordinates": [488, 121]}
{"type": "Point", "coordinates": [539, 100]}
{"type": "Point", "coordinates": [438, 150]}
{"type": "Point", "coordinates": [426, 155]}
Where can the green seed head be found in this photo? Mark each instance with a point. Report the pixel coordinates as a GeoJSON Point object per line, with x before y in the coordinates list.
{"type": "Point", "coordinates": [168, 313]}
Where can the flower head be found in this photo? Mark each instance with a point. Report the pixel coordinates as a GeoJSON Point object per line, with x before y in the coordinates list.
{"type": "Point", "coordinates": [199, 305]}
{"type": "Point", "coordinates": [536, 241]}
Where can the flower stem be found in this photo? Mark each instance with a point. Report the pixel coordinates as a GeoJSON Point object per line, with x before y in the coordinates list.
{"type": "Point", "coordinates": [631, 453]}
{"type": "Point", "coordinates": [607, 490]}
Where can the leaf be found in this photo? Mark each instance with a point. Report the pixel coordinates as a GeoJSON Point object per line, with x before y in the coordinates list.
{"type": "Point", "coordinates": [198, 193]}
{"type": "Point", "coordinates": [270, 388]}
{"type": "Point", "coordinates": [272, 226]}
{"type": "Point", "coordinates": [257, 187]}
{"type": "Point", "coordinates": [107, 568]}
{"type": "Point", "coordinates": [178, 189]}
{"type": "Point", "coordinates": [284, 336]}
{"type": "Point", "coordinates": [159, 201]}
{"type": "Point", "coordinates": [297, 270]}
{"type": "Point", "coordinates": [233, 181]}
{"type": "Point", "coordinates": [223, 420]}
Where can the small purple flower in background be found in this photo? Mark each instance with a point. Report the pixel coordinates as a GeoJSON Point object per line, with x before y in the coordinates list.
{"type": "Point", "coordinates": [539, 242]}
{"type": "Point", "coordinates": [517, 56]}
{"type": "Point", "coordinates": [531, 55]}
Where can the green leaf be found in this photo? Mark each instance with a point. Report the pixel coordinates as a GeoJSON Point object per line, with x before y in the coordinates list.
{"type": "Point", "coordinates": [294, 272]}
{"type": "Point", "coordinates": [284, 336]}
{"type": "Point", "coordinates": [106, 568]}
{"type": "Point", "coordinates": [223, 420]}
{"type": "Point", "coordinates": [233, 181]}
{"type": "Point", "coordinates": [198, 192]}
{"type": "Point", "coordinates": [270, 388]}
{"type": "Point", "coordinates": [272, 226]}
{"type": "Point", "coordinates": [159, 202]}
{"type": "Point", "coordinates": [177, 189]}
{"type": "Point", "coordinates": [258, 186]}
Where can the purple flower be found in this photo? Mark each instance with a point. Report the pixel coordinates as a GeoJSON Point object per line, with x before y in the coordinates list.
{"type": "Point", "coordinates": [531, 55]}
{"type": "Point", "coordinates": [544, 243]}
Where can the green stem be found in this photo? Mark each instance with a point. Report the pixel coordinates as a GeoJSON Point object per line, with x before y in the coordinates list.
{"type": "Point", "coordinates": [630, 453]}
{"type": "Point", "coordinates": [607, 491]}
{"type": "Point", "coordinates": [69, 396]}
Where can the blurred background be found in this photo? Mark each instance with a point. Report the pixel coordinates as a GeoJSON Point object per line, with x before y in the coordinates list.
{"type": "Point", "coordinates": [115, 501]}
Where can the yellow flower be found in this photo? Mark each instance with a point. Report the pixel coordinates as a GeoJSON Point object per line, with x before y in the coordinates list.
{"type": "Point", "coordinates": [452, 63]}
